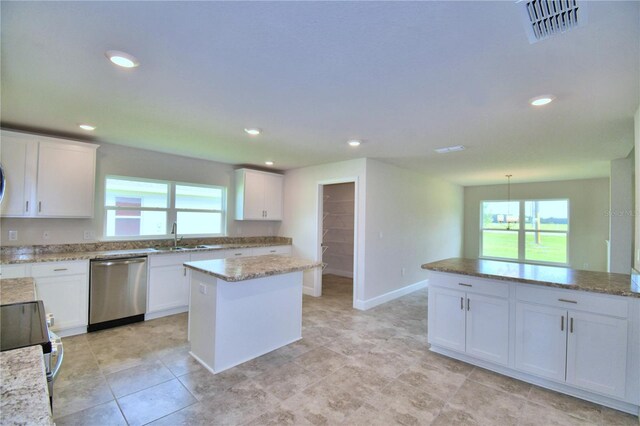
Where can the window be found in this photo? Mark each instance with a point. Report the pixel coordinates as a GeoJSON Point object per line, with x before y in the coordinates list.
{"type": "Point", "coordinates": [140, 207]}
{"type": "Point", "coordinates": [535, 231]}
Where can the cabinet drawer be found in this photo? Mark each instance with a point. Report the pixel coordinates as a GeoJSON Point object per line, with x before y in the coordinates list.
{"type": "Point", "coordinates": [237, 253]}
{"type": "Point", "coordinates": [259, 251]}
{"type": "Point", "coordinates": [209, 255]}
{"type": "Point", "coordinates": [574, 300]}
{"type": "Point", "coordinates": [168, 259]}
{"type": "Point", "coordinates": [52, 269]}
{"type": "Point", "coordinates": [470, 284]}
{"type": "Point", "coordinates": [13, 271]}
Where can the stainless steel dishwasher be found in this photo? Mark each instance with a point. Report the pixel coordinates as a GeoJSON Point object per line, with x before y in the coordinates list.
{"type": "Point", "coordinates": [117, 292]}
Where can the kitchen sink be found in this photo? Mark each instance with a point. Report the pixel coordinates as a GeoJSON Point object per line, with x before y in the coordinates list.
{"type": "Point", "coordinates": [171, 248]}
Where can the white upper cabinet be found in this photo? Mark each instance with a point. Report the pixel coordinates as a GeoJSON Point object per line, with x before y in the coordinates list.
{"type": "Point", "coordinates": [47, 177]}
{"type": "Point", "coordinates": [258, 195]}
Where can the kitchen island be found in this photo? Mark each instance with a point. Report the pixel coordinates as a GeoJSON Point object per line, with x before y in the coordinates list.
{"type": "Point", "coordinates": [576, 332]}
{"type": "Point", "coordinates": [241, 308]}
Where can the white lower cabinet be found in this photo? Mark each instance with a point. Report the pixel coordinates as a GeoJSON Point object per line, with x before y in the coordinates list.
{"type": "Point", "coordinates": [63, 287]}
{"type": "Point", "coordinates": [580, 348]}
{"type": "Point", "coordinates": [581, 343]}
{"type": "Point", "coordinates": [168, 282]}
{"type": "Point", "coordinates": [475, 324]}
{"type": "Point", "coordinates": [13, 271]}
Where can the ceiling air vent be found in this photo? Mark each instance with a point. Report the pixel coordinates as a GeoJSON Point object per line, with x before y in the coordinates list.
{"type": "Point", "coordinates": [546, 18]}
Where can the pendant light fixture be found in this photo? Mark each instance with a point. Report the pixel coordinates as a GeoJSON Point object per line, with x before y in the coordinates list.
{"type": "Point", "coordinates": [508, 201]}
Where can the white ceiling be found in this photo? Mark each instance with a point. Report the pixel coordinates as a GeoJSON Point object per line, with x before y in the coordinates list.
{"type": "Point", "coordinates": [407, 77]}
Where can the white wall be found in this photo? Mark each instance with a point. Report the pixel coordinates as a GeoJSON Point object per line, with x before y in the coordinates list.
{"type": "Point", "coordinates": [621, 217]}
{"type": "Point", "coordinates": [420, 220]}
{"type": "Point", "coordinates": [125, 161]}
{"type": "Point", "coordinates": [588, 221]}
{"type": "Point", "coordinates": [301, 211]}
{"type": "Point", "coordinates": [637, 190]}
{"type": "Point", "coordinates": [411, 220]}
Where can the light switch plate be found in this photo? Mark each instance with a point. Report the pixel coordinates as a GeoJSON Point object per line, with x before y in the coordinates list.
{"type": "Point", "coordinates": [13, 235]}
{"type": "Point", "coordinates": [46, 235]}
{"type": "Point", "coordinates": [203, 289]}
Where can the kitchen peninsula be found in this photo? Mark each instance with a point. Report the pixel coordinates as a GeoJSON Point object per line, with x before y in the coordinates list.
{"type": "Point", "coordinates": [241, 308]}
{"type": "Point", "coordinates": [576, 332]}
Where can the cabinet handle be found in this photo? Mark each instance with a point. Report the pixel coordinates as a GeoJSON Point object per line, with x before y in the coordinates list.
{"type": "Point", "coordinates": [59, 269]}
{"type": "Point", "coordinates": [237, 254]}
{"type": "Point", "coordinates": [39, 206]}
{"type": "Point", "coordinates": [26, 209]}
{"type": "Point", "coordinates": [466, 285]}
{"type": "Point", "coordinates": [266, 213]}
{"type": "Point", "coordinates": [184, 272]}
{"type": "Point", "coordinates": [468, 304]}
{"type": "Point", "coordinates": [272, 251]}
{"type": "Point", "coordinates": [567, 300]}
{"type": "Point", "coordinates": [562, 323]}
{"type": "Point", "coordinates": [462, 303]}
{"type": "Point", "coordinates": [571, 325]}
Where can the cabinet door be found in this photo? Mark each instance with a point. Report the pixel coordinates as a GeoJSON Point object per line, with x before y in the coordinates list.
{"type": "Point", "coordinates": [446, 318]}
{"type": "Point", "coordinates": [168, 285]}
{"type": "Point", "coordinates": [253, 196]}
{"type": "Point", "coordinates": [541, 340]}
{"type": "Point", "coordinates": [13, 271]}
{"type": "Point", "coordinates": [273, 197]}
{"type": "Point", "coordinates": [18, 155]}
{"type": "Point", "coordinates": [66, 180]}
{"type": "Point", "coordinates": [597, 353]}
{"type": "Point", "coordinates": [66, 297]}
{"type": "Point", "coordinates": [488, 328]}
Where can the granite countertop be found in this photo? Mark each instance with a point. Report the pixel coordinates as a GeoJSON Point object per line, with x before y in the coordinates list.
{"type": "Point", "coordinates": [551, 276]}
{"type": "Point", "coordinates": [17, 258]}
{"type": "Point", "coordinates": [17, 290]}
{"type": "Point", "coordinates": [24, 396]}
{"type": "Point", "coordinates": [246, 268]}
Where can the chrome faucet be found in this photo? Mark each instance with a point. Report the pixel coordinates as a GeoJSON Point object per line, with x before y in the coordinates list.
{"type": "Point", "coordinates": [174, 231]}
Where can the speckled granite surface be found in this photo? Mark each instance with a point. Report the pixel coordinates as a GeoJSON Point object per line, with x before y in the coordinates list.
{"type": "Point", "coordinates": [17, 290]}
{"type": "Point", "coordinates": [24, 397]}
{"type": "Point", "coordinates": [116, 249]}
{"type": "Point", "coordinates": [246, 268]}
{"type": "Point", "coordinates": [550, 276]}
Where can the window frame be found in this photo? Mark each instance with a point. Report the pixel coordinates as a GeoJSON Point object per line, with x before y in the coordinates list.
{"type": "Point", "coordinates": [522, 232]}
{"type": "Point", "coordinates": [171, 210]}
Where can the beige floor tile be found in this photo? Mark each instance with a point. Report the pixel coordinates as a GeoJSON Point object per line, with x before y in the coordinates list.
{"type": "Point", "coordinates": [500, 382]}
{"type": "Point", "coordinates": [295, 349]}
{"type": "Point", "coordinates": [351, 344]}
{"type": "Point", "coordinates": [155, 402]}
{"type": "Point", "coordinates": [285, 380]}
{"type": "Point", "coordinates": [573, 406]}
{"type": "Point", "coordinates": [195, 414]}
{"type": "Point", "coordinates": [77, 365]}
{"type": "Point", "coordinates": [278, 416]}
{"type": "Point", "coordinates": [441, 382]}
{"type": "Point", "coordinates": [80, 394]}
{"type": "Point", "coordinates": [180, 362]}
{"type": "Point", "coordinates": [321, 361]}
{"type": "Point", "coordinates": [107, 414]}
{"type": "Point", "coordinates": [204, 384]}
{"type": "Point", "coordinates": [388, 363]}
{"type": "Point", "coordinates": [406, 404]}
{"type": "Point", "coordinates": [612, 417]}
{"type": "Point", "coordinates": [136, 378]}
{"type": "Point", "coordinates": [536, 415]}
{"type": "Point", "coordinates": [261, 364]}
{"type": "Point", "coordinates": [486, 405]}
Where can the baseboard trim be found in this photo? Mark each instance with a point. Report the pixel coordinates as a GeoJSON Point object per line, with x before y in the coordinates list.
{"type": "Point", "coordinates": [340, 273]}
{"type": "Point", "coordinates": [308, 291]}
{"type": "Point", "coordinates": [166, 312]}
{"type": "Point", "coordinates": [363, 305]}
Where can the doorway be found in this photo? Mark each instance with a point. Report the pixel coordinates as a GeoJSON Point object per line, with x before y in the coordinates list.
{"type": "Point", "coordinates": [338, 241]}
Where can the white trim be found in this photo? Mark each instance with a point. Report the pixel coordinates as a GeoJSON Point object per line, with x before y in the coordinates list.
{"type": "Point", "coordinates": [348, 274]}
{"type": "Point", "coordinates": [309, 291]}
{"type": "Point", "coordinates": [71, 331]}
{"type": "Point", "coordinates": [165, 313]}
{"type": "Point", "coordinates": [394, 294]}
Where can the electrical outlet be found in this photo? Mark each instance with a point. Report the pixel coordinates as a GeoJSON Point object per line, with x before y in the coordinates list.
{"type": "Point", "coordinates": [46, 235]}
{"type": "Point", "coordinates": [203, 289]}
{"type": "Point", "coordinates": [585, 265]}
{"type": "Point", "coordinates": [403, 271]}
{"type": "Point", "coordinates": [89, 235]}
{"type": "Point", "coordinates": [13, 235]}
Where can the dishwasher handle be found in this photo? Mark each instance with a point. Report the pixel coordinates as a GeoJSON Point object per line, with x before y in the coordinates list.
{"type": "Point", "coordinates": [119, 262]}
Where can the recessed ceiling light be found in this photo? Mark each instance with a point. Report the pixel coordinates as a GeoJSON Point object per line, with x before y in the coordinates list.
{"type": "Point", "coordinates": [87, 127]}
{"type": "Point", "coordinates": [122, 59]}
{"type": "Point", "coordinates": [253, 131]}
{"type": "Point", "coordinates": [269, 163]}
{"type": "Point", "coordinates": [354, 142]}
{"type": "Point", "coordinates": [450, 149]}
{"type": "Point", "coordinates": [541, 100]}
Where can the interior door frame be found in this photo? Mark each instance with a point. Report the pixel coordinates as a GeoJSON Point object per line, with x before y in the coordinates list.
{"type": "Point", "coordinates": [317, 287]}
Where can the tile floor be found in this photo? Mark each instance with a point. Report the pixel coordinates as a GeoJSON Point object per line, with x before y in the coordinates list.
{"type": "Point", "coordinates": [351, 367]}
